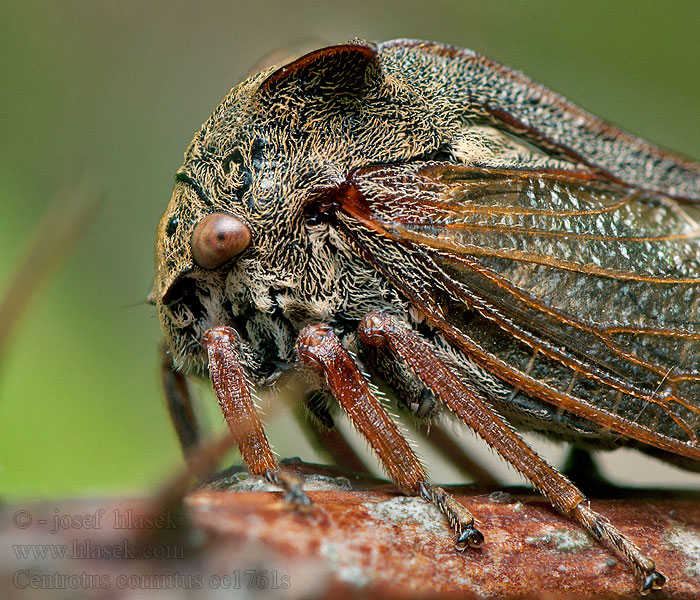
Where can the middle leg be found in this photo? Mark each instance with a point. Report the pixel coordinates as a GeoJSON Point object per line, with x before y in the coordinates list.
{"type": "Point", "coordinates": [321, 350]}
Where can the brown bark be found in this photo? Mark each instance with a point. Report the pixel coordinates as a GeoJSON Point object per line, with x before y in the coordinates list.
{"type": "Point", "coordinates": [362, 539]}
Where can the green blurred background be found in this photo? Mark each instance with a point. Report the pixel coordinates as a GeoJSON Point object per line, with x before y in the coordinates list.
{"type": "Point", "coordinates": [115, 90]}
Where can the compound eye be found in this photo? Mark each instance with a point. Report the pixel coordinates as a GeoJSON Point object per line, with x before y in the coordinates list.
{"type": "Point", "coordinates": [217, 238]}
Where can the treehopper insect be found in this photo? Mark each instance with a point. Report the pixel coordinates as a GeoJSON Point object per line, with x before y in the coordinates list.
{"type": "Point", "coordinates": [417, 214]}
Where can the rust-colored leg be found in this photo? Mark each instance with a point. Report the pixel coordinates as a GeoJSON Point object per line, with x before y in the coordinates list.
{"type": "Point", "coordinates": [179, 403]}
{"type": "Point", "coordinates": [379, 329]}
{"type": "Point", "coordinates": [233, 392]}
{"type": "Point", "coordinates": [320, 349]}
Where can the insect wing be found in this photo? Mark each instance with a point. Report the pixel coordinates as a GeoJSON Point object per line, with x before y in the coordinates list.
{"type": "Point", "coordinates": [578, 291]}
{"type": "Point", "coordinates": [512, 101]}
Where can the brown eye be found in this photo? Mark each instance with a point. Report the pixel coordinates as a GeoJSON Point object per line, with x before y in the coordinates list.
{"type": "Point", "coordinates": [217, 238]}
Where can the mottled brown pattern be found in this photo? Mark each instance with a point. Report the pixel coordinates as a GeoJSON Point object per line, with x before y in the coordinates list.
{"type": "Point", "coordinates": [538, 260]}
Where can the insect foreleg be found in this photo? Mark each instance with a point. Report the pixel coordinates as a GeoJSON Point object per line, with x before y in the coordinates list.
{"type": "Point", "coordinates": [233, 392]}
{"type": "Point", "coordinates": [320, 349]}
{"type": "Point", "coordinates": [380, 329]}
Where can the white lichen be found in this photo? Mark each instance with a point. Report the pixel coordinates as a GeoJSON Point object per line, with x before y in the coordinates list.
{"type": "Point", "coordinates": [687, 542]}
{"type": "Point", "coordinates": [403, 510]}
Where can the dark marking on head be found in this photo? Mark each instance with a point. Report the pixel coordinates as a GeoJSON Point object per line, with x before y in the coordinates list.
{"type": "Point", "coordinates": [234, 158]}
{"type": "Point", "coordinates": [257, 154]}
{"type": "Point", "coordinates": [171, 227]}
{"type": "Point", "coordinates": [185, 178]}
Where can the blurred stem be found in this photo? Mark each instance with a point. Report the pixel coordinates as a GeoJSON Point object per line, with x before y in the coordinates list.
{"type": "Point", "coordinates": [65, 221]}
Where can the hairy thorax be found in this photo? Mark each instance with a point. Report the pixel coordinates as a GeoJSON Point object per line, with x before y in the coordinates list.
{"type": "Point", "coordinates": [318, 279]}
